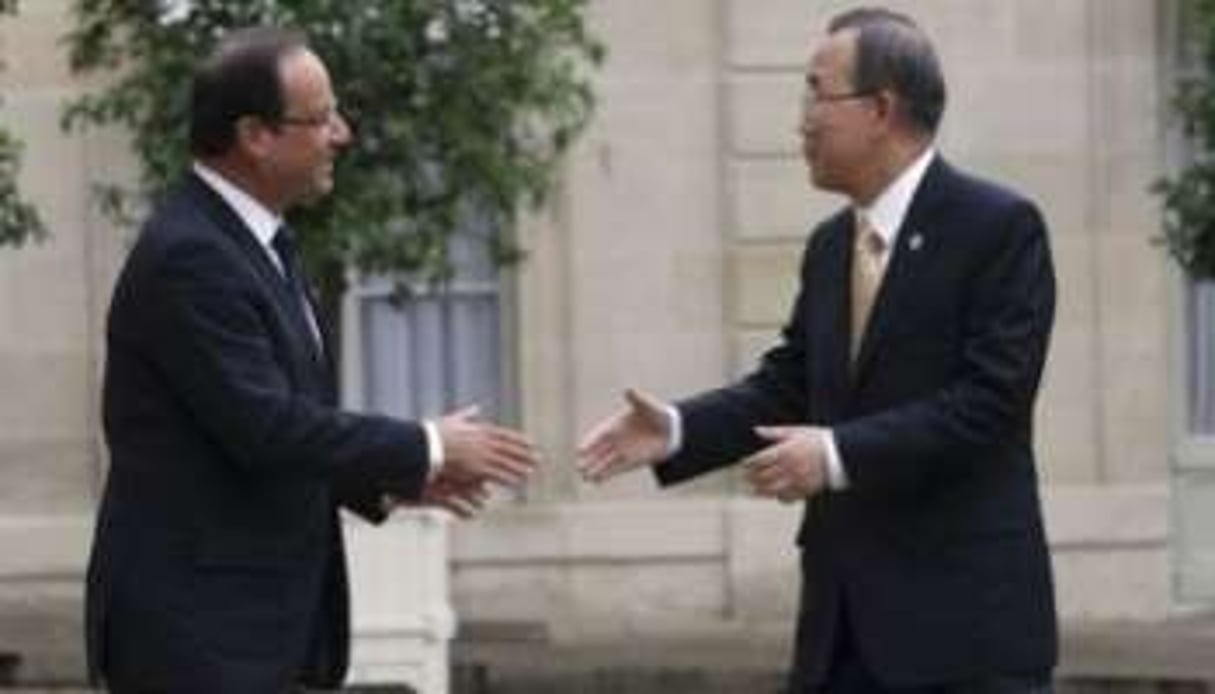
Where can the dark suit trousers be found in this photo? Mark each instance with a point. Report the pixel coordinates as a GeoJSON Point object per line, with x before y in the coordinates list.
{"type": "Point", "coordinates": [848, 674]}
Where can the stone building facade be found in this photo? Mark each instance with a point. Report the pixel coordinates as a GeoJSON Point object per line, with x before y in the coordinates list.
{"type": "Point", "coordinates": [667, 261]}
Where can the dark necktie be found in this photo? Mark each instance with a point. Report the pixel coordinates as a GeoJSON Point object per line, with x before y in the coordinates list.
{"type": "Point", "coordinates": [288, 256]}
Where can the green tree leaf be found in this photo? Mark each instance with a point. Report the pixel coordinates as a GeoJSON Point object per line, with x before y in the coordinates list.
{"type": "Point", "coordinates": [19, 220]}
{"type": "Point", "coordinates": [458, 107]}
{"type": "Point", "coordinates": [1189, 195]}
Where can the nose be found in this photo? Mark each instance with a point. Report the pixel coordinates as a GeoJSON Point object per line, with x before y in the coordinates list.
{"type": "Point", "coordinates": [340, 133]}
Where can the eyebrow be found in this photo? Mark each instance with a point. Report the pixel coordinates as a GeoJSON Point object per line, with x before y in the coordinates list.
{"type": "Point", "coordinates": [327, 108]}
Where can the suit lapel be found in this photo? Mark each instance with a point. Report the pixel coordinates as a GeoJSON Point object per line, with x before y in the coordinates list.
{"type": "Point", "coordinates": [830, 317]}
{"type": "Point", "coordinates": [235, 229]}
{"type": "Point", "coordinates": [914, 244]}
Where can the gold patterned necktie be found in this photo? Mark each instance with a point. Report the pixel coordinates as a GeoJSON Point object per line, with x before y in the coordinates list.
{"type": "Point", "coordinates": [868, 249]}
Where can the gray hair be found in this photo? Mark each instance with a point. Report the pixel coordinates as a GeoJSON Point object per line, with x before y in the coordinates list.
{"type": "Point", "coordinates": [892, 52]}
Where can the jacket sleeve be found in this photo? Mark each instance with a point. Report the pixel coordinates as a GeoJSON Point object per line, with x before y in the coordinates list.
{"type": "Point", "coordinates": [719, 424]}
{"type": "Point", "coordinates": [212, 342]}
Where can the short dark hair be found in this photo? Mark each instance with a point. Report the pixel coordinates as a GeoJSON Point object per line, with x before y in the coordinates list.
{"type": "Point", "coordinates": [240, 78]}
{"type": "Point", "coordinates": [892, 52]}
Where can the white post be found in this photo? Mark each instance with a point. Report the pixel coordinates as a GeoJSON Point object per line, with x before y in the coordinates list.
{"type": "Point", "coordinates": [401, 614]}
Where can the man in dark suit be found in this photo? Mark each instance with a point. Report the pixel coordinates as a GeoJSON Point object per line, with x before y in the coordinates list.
{"type": "Point", "coordinates": [898, 405]}
{"type": "Point", "coordinates": [217, 564]}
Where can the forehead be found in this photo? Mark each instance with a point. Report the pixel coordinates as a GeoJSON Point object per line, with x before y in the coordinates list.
{"type": "Point", "coordinates": [305, 79]}
{"type": "Point", "coordinates": [832, 59]}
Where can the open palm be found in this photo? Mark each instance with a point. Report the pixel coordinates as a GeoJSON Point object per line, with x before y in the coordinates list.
{"type": "Point", "coordinates": [635, 436]}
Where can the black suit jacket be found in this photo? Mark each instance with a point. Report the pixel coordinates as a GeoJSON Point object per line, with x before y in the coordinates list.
{"type": "Point", "coordinates": [217, 563]}
{"type": "Point", "coordinates": [936, 549]}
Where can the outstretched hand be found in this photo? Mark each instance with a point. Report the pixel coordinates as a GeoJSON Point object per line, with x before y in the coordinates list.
{"type": "Point", "coordinates": [464, 499]}
{"type": "Point", "coordinates": [633, 437]}
{"type": "Point", "coordinates": [478, 451]}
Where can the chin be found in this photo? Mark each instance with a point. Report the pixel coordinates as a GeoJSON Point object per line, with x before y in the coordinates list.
{"type": "Point", "coordinates": [819, 179]}
{"type": "Point", "coordinates": [313, 195]}
{"type": "Point", "coordinates": [322, 188]}
{"type": "Point", "coordinates": [824, 179]}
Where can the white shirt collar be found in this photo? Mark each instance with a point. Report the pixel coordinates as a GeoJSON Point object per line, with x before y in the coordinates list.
{"type": "Point", "coordinates": [262, 222]}
{"type": "Point", "coordinates": [889, 209]}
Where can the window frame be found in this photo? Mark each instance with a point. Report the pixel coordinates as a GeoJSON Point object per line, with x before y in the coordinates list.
{"type": "Point", "coordinates": [355, 392]}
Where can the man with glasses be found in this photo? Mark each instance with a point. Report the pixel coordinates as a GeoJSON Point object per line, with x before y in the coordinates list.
{"type": "Point", "coordinates": [217, 564]}
{"type": "Point", "coordinates": [898, 406]}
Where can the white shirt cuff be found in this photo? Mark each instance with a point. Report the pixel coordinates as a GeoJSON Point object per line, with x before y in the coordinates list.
{"type": "Point", "coordinates": [434, 446]}
{"type": "Point", "coordinates": [837, 478]}
{"type": "Point", "coordinates": [675, 442]}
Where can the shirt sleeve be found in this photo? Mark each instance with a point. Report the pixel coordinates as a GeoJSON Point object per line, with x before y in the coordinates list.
{"type": "Point", "coordinates": [837, 477]}
{"type": "Point", "coordinates": [675, 441]}
{"type": "Point", "coordinates": [434, 447]}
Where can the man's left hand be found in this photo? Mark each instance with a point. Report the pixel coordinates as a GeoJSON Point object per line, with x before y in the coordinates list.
{"type": "Point", "coordinates": [464, 498]}
{"type": "Point", "coordinates": [793, 468]}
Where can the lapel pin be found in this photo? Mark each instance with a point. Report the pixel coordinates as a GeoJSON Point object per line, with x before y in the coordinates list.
{"type": "Point", "coordinates": [916, 242]}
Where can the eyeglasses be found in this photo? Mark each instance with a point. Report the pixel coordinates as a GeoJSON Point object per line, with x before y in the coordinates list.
{"type": "Point", "coordinates": [811, 97]}
{"type": "Point", "coordinates": [328, 117]}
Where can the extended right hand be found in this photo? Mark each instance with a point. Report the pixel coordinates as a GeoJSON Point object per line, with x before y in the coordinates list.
{"type": "Point", "coordinates": [478, 451]}
{"type": "Point", "coordinates": [464, 499]}
{"type": "Point", "coordinates": [633, 437]}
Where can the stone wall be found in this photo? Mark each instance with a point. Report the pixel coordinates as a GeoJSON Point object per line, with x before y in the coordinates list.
{"type": "Point", "coordinates": [667, 261]}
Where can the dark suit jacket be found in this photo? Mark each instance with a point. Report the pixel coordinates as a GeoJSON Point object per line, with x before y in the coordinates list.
{"type": "Point", "coordinates": [936, 550]}
{"type": "Point", "coordinates": [217, 563]}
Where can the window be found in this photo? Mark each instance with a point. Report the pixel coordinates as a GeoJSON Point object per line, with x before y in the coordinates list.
{"type": "Point", "coordinates": [1200, 357]}
{"type": "Point", "coordinates": [438, 349]}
